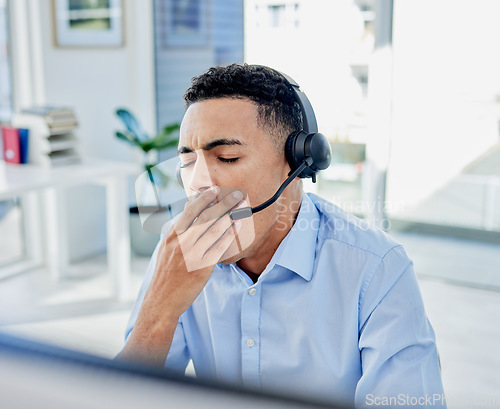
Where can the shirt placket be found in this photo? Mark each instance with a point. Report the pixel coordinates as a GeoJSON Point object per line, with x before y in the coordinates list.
{"type": "Point", "coordinates": [250, 336]}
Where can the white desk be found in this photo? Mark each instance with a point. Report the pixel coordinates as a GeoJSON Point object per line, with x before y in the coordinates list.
{"type": "Point", "coordinates": [35, 184]}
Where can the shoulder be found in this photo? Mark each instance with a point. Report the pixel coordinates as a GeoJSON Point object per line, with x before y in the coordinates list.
{"type": "Point", "coordinates": [361, 251]}
{"type": "Point", "coordinates": [341, 227]}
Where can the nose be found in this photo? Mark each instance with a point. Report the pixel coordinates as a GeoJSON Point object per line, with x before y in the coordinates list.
{"type": "Point", "coordinates": [198, 176]}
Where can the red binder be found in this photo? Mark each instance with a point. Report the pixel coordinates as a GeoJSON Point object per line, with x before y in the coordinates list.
{"type": "Point", "coordinates": [11, 144]}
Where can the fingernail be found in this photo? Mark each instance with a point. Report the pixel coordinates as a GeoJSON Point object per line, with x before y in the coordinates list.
{"type": "Point", "coordinates": [237, 194]}
{"type": "Point", "coordinates": [215, 189]}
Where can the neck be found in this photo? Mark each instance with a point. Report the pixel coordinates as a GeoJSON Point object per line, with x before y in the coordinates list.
{"type": "Point", "coordinates": [256, 262]}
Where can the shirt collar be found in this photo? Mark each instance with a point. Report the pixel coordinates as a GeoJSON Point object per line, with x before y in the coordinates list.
{"type": "Point", "coordinates": [297, 251]}
{"type": "Point", "coordinates": [299, 245]}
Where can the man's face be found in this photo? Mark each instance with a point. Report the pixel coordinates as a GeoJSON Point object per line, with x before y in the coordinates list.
{"type": "Point", "coordinates": [222, 145]}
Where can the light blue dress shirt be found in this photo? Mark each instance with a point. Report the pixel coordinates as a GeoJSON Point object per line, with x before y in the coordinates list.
{"type": "Point", "coordinates": [336, 316]}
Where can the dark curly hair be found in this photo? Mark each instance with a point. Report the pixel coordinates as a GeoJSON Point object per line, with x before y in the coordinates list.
{"type": "Point", "coordinates": [277, 109]}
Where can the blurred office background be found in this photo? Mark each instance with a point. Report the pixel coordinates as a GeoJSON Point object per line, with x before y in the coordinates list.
{"type": "Point", "coordinates": [407, 91]}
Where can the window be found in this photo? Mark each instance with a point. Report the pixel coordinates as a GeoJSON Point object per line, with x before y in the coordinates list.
{"type": "Point", "coordinates": [277, 15]}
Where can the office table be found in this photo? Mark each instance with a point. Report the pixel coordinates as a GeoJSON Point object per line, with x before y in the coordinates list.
{"type": "Point", "coordinates": [35, 185]}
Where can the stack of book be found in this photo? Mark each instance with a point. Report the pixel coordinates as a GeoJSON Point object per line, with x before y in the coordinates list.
{"type": "Point", "coordinates": [52, 135]}
{"type": "Point", "coordinates": [15, 144]}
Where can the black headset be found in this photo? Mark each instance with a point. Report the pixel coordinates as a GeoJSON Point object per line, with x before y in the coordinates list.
{"type": "Point", "coordinates": [307, 142]}
{"type": "Point", "coordinates": [306, 150]}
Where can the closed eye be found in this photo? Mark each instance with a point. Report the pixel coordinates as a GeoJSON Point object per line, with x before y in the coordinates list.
{"type": "Point", "coordinates": [228, 160]}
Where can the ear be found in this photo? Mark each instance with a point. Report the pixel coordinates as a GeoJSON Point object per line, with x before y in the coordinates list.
{"type": "Point", "coordinates": [285, 166]}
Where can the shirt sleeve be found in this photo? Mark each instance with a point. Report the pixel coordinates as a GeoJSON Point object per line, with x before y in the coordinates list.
{"type": "Point", "coordinates": [178, 355]}
{"type": "Point", "coordinates": [399, 358]}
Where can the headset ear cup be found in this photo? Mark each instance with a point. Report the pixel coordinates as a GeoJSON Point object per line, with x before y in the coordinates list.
{"type": "Point", "coordinates": [300, 146]}
{"type": "Point", "coordinates": [290, 150]}
{"type": "Point", "coordinates": [318, 148]}
{"type": "Point", "coordinates": [178, 174]}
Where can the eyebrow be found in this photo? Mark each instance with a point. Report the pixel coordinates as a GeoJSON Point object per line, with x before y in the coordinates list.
{"type": "Point", "coordinates": [212, 144]}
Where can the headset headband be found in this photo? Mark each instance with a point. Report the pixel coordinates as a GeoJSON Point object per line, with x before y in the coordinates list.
{"type": "Point", "coordinates": [309, 124]}
{"type": "Point", "coordinates": [308, 117]}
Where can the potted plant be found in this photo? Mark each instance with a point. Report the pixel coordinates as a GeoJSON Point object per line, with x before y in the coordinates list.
{"type": "Point", "coordinates": [142, 242]}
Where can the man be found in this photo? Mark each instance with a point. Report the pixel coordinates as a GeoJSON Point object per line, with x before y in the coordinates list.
{"type": "Point", "coordinates": [318, 304]}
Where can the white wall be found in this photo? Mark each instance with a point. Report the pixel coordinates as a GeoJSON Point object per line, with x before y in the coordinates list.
{"type": "Point", "coordinates": [95, 82]}
{"type": "Point", "coordinates": [446, 77]}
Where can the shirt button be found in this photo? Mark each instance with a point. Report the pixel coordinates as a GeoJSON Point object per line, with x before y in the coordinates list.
{"type": "Point", "coordinates": [252, 291]}
{"type": "Point", "coordinates": [250, 342]}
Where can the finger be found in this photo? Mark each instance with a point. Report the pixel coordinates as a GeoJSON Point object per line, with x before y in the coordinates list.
{"type": "Point", "coordinates": [193, 249]}
{"type": "Point", "coordinates": [194, 207]}
{"type": "Point", "coordinates": [209, 235]}
{"type": "Point", "coordinates": [221, 208]}
{"type": "Point", "coordinates": [216, 229]}
{"type": "Point", "coordinates": [217, 249]}
{"type": "Point", "coordinates": [198, 238]}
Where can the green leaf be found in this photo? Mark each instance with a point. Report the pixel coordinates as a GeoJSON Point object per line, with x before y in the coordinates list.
{"type": "Point", "coordinates": [132, 124]}
{"type": "Point", "coordinates": [169, 129]}
{"type": "Point", "coordinates": [128, 137]}
{"type": "Point", "coordinates": [166, 139]}
{"type": "Point", "coordinates": [164, 144]}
